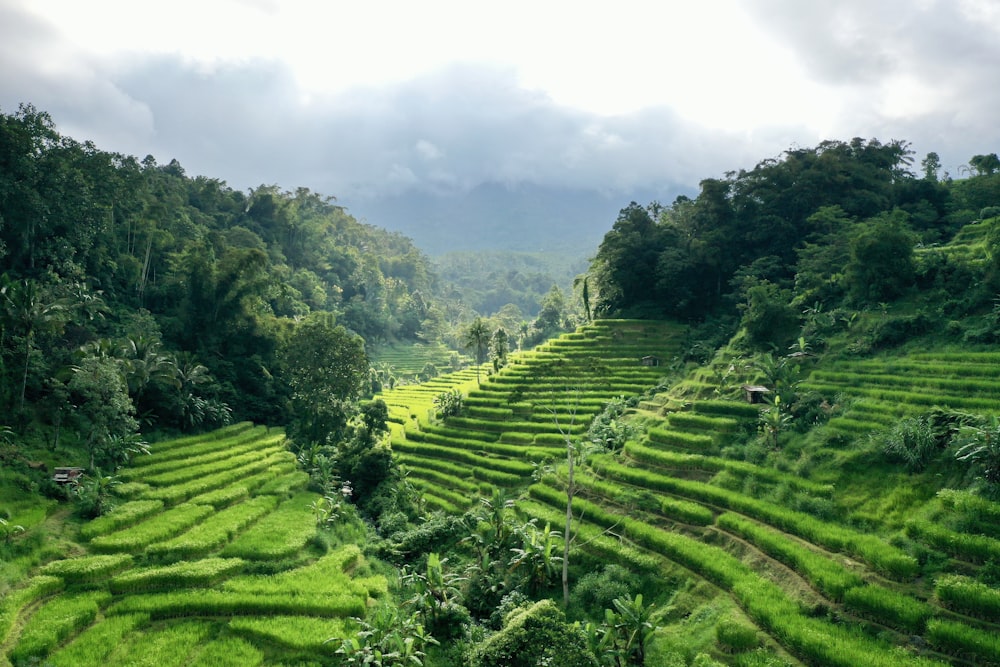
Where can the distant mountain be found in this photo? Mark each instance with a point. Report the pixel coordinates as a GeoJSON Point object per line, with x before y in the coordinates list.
{"type": "Point", "coordinates": [493, 216]}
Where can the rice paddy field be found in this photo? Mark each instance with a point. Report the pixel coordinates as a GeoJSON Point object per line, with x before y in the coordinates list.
{"type": "Point", "coordinates": [211, 558]}
{"type": "Point", "coordinates": [520, 417]}
{"type": "Point", "coordinates": [835, 559]}
{"type": "Point", "coordinates": [824, 554]}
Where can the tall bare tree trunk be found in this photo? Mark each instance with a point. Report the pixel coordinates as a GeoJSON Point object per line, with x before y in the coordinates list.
{"type": "Point", "coordinates": [569, 523]}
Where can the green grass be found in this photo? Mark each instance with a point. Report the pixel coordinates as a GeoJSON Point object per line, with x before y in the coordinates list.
{"type": "Point", "coordinates": [228, 652]}
{"type": "Point", "coordinates": [120, 517]}
{"type": "Point", "coordinates": [968, 596]}
{"type": "Point", "coordinates": [215, 531]}
{"type": "Point", "coordinates": [879, 554]}
{"type": "Point", "coordinates": [161, 646]}
{"type": "Point", "coordinates": [18, 599]}
{"type": "Point", "coordinates": [209, 602]}
{"type": "Point", "coordinates": [280, 534]}
{"type": "Point", "coordinates": [828, 576]}
{"type": "Point", "coordinates": [55, 621]}
{"type": "Point", "coordinates": [186, 574]}
{"type": "Point", "coordinates": [890, 607]}
{"type": "Point", "coordinates": [95, 645]}
{"type": "Point", "coordinates": [158, 528]}
{"type": "Point", "coordinates": [87, 569]}
{"type": "Point", "coordinates": [292, 632]}
{"type": "Point", "coordinates": [961, 640]}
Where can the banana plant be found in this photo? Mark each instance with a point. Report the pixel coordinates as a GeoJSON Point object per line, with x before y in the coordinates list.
{"type": "Point", "coordinates": [537, 556]}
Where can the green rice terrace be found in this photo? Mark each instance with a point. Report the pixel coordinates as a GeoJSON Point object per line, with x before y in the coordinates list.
{"type": "Point", "coordinates": [520, 417]}
{"type": "Point", "coordinates": [834, 556]}
{"type": "Point", "coordinates": [210, 559]}
{"type": "Point", "coordinates": [765, 535]}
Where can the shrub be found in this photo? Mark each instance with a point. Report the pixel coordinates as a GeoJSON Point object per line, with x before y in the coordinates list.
{"type": "Point", "coordinates": [535, 635]}
{"type": "Point", "coordinates": [448, 404]}
{"type": "Point", "coordinates": [595, 591]}
{"type": "Point", "coordinates": [910, 441]}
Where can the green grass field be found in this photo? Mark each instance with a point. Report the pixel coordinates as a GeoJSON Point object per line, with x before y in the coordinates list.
{"type": "Point", "coordinates": [175, 584]}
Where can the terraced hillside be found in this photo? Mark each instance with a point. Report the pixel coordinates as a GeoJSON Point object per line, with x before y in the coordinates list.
{"type": "Point", "coordinates": [407, 361]}
{"type": "Point", "coordinates": [846, 566]}
{"type": "Point", "coordinates": [210, 559]}
{"type": "Point", "coordinates": [519, 417]}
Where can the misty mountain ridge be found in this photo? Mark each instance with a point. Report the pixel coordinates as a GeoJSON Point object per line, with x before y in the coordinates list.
{"type": "Point", "coordinates": [494, 216]}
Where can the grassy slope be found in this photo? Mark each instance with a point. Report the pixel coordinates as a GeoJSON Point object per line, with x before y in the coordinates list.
{"type": "Point", "coordinates": [207, 560]}
{"type": "Point", "coordinates": [831, 553]}
{"type": "Point", "coordinates": [836, 554]}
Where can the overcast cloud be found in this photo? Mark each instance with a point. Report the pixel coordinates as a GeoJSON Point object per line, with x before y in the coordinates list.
{"type": "Point", "coordinates": [627, 102]}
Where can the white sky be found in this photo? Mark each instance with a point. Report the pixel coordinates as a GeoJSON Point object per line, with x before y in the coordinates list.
{"type": "Point", "coordinates": [370, 97]}
{"type": "Point", "coordinates": [694, 57]}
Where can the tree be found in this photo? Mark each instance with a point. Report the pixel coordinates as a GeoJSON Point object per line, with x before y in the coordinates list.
{"type": "Point", "coordinates": [99, 394]}
{"type": "Point", "coordinates": [985, 165]}
{"type": "Point", "coordinates": [625, 632]}
{"type": "Point", "coordinates": [326, 368]}
{"type": "Point", "coordinates": [768, 319]}
{"type": "Point", "coordinates": [584, 283]}
{"type": "Point", "coordinates": [386, 639]}
{"type": "Point", "coordinates": [931, 165]}
{"type": "Point", "coordinates": [499, 346]}
{"type": "Point", "coordinates": [477, 337]}
{"type": "Point", "coordinates": [374, 416]}
{"type": "Point", "coordinates": [881, 266]}
{"type": "Point", "coordinates": [28, 308]}
{"type": "Point", "coordinates": [535, 635]}
{"type": "Point", "coordinates": [536, 556]}
{"type": "Point", "coordinates": [435, 595]}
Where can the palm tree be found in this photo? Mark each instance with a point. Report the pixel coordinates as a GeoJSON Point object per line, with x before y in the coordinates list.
{"type": "Point", "coordinates": [28, 310]}
{"type": "Point", "coordinates": [477, 336]}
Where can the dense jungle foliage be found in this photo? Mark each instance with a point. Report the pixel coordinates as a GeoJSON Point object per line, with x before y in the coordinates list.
{"type": "Point", "coordinates": [818, 227]}
{"type": "Point", "coordinates": [138, 298]}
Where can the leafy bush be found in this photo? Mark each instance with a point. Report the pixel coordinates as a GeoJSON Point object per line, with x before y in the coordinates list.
{"type": "Point", "coordinates": [979, 445]}
{"type": "Point", "coordinates": [448, 404]}
{"type": "Point", "coordinates": [595, 591]}
{"type": "Point", "coordinates": [535, 635]}
{"type": "Point", "coordinates": [910, 441]}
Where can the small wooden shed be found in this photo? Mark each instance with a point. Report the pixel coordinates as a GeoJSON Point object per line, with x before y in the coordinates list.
{"type": "Point", "coordinates": [650, 360]}
{"type": "Point", "coordinates": [66, 475]}
{"type": "Point", "coordinates": [755, 393]}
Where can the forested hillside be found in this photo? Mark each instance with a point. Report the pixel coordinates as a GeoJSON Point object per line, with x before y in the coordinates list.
{"type": "Point", "coordinates": [818, 227]}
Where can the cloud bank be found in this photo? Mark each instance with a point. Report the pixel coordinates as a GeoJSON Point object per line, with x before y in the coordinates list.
{"type": "Point", "coordinates": [921, 71]}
